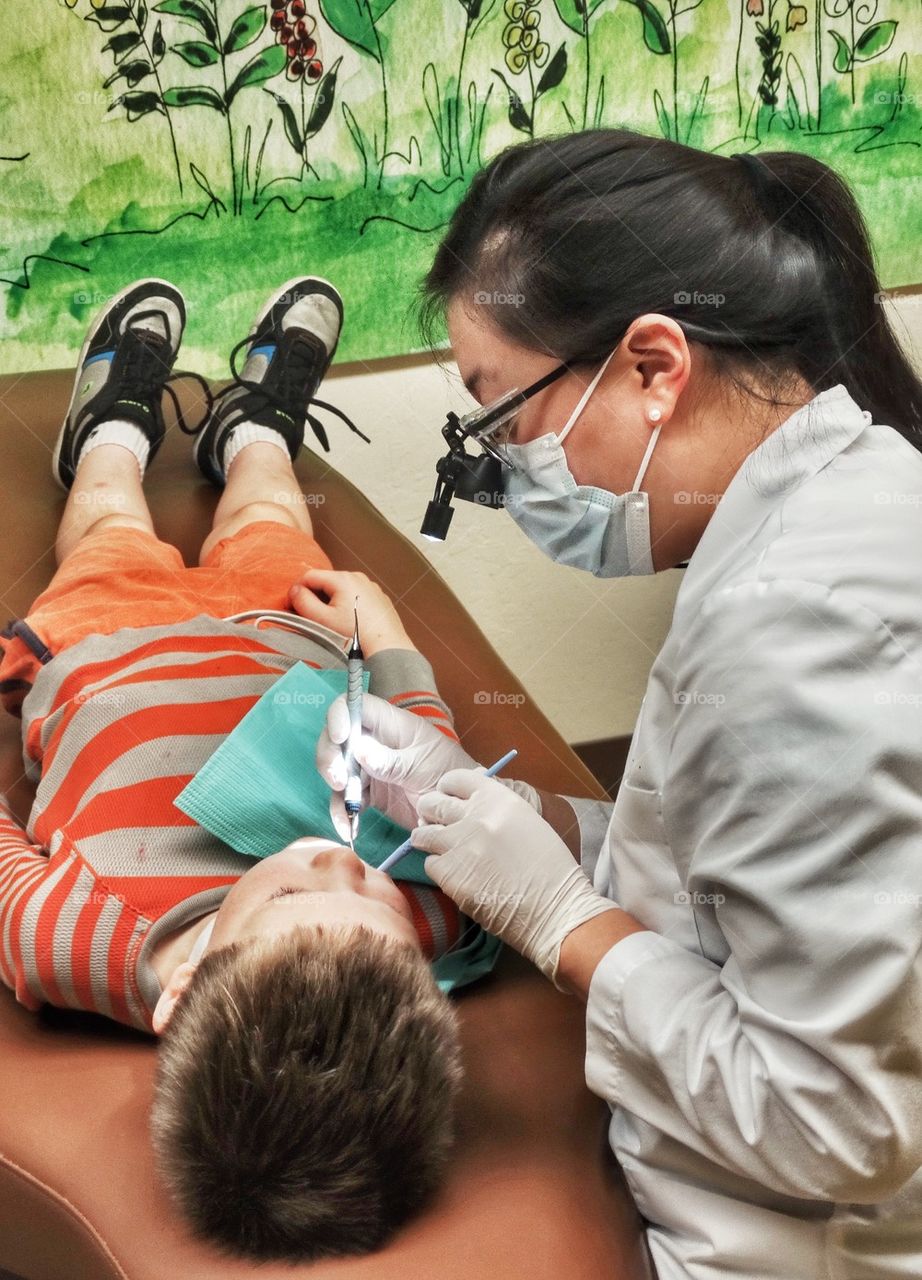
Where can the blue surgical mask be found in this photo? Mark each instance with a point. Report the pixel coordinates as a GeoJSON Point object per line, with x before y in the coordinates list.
{"type": "Point", "coordinates": [607, 534]}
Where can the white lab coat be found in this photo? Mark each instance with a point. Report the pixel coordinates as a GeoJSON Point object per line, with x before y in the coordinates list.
{"type": "Point", "coordinates": [760, 1044]}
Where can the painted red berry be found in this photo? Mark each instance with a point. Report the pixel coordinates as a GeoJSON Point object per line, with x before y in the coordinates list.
{"type": "Point", "coordinates": [295, 69]}
{"type": "Point", "coordinates": [293, 48]}
{"type": "Point", "coordinates": [314, 69]}
{"type": "Point", "coordinates": [277, 20]}
{"type": "Point", "coordinates": [298, 8]}
{"type": "Point", "coordinates": [308, 47]}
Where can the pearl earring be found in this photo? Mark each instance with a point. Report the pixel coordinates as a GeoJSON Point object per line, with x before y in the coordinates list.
{"type": "Point", "coordinates": [654, 414]}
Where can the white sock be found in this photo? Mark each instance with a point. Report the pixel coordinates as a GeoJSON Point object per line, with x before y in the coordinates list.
{"type": "Point", "coordinates": [251, 433]}
{"type": "Point", "coordinates": [120, 431]}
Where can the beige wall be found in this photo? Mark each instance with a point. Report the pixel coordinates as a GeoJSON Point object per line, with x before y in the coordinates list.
{"type": "Point", "coordinates": [582, 647]}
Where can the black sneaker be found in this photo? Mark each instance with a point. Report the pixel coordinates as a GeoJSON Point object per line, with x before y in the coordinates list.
{"type": "Point", "coordinates": [289, 350]}
{"type": "Point", "coordinates": [123, 369]}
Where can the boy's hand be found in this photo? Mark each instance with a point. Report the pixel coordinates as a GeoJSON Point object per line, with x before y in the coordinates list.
{"type": "Point", "coordinates": [379, 623]}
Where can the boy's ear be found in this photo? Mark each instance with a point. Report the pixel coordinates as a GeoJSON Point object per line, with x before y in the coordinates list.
{"type": "Point", "coordinates": [180, 979]}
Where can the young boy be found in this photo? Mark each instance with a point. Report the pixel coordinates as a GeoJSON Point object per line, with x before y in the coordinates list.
{"type": "Point", "coordinates": [308, 1060]}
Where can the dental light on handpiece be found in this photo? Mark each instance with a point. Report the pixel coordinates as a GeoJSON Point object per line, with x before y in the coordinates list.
{"type": "Point", "coordinates": [476, 477]}
{"type": "Point", "coordinates": [355, 666]}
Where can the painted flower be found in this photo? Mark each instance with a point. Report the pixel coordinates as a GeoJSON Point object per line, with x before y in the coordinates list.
{"type": "Point", "coordinates": [755, 8]}
{"type": "Point", "coordinates": [521, 35]}
{"type": "Point", "coordinates": [797, 16]}
{"type": "Point", "coordinates": [294, 28]}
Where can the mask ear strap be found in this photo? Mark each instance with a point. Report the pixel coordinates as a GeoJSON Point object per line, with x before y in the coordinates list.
{"type": "Point", "coordinates": [584, 397]}
{"type": "Point", "coordinates": [202, 941]}
{"type": "Point", "coordinates": [646, 457]}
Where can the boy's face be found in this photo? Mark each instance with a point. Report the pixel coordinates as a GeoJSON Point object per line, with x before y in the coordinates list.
{"type": "Point", "coordinates": [312, 882]}
{"type": "Point", "coordinates": [309, 882]}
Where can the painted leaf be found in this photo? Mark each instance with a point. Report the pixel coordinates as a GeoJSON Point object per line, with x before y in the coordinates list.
{"type": "Point", "coordinates": [379, 8]}
{"type": "Point", "coordinates": [246, 29]}
{"type": "Point", "coordinates": [323, 102]}
{"type": "Point", "coordinates": [194, 95]}
{"type": "Point", "coordinates": [140, 16]}
{"type": "Point", "coordinates": [599, 104]}
{"type": "Point", "coordinates": [518, 116]}
{"type": "Point", "coordinates": [121, 45]}
{"type": "Point", "coordinates": [264, 66]}
{"type": "Point", "coordinates": [136, 71]}
{"type": "Point", "coordinates": [197, 53]}
{"type": "Point", "coordinates": [662, 115]}
{"type": "Point", "coordinates": [138, 104]}
{"type": "Point", "coordinates": [109, 16]}
{"type": "Point", "coordinates": [553, 73]}
{"type": "Point", "coordinates": [655, 35]}
{"type": "Point", "coordinates": [875, 41]}
{"type": "Point", "coordinates": [843, 59]}
{"type": "Point", "coordinates": [191, 11]}
{"type": "Point", "coordinates": [290, 121]}
{"type": "Point", "coordinates": [571, 12]}
{"type": "Point", "coordinates": [353, 22]}
{"type": "Point", "coordinates": [158, 44]}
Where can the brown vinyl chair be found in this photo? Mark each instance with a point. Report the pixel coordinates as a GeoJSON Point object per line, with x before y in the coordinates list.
{"type": "Point", "coordinates": [533, 1191]}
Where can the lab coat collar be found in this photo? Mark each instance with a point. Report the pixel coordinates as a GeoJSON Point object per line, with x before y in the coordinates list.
{"type": "Point", "coordinates": [804, 443]}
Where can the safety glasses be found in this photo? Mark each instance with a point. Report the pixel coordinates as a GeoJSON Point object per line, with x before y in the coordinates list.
{"type": "Point", "coordinates": [492, 426]}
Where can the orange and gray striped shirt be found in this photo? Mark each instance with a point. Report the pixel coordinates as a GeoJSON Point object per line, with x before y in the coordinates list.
{"type": "Point", "coordinates": [113, 729]}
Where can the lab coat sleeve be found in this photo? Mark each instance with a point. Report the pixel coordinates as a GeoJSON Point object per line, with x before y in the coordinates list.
{"type": "Point", "coordinates": [793, 795]}
{"type": "Point", "coordinates": [593, 818]}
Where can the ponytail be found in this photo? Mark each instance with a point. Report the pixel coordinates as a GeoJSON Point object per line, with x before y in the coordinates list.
{"type": "Point", "coordinates": [764, 260]}
{"type": "Point", "coordinates": [809, 200]}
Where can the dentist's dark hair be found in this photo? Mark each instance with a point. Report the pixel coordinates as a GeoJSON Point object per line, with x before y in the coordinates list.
{"type": "Point", "coordinates": [564, 241]}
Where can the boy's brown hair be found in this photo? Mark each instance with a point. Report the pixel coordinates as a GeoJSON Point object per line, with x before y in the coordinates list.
{"type": "Point", "coordinates": [304, 1093]}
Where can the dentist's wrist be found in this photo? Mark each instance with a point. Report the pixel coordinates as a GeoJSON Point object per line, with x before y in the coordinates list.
{"type": "Point", "coordinates": [525, 790]}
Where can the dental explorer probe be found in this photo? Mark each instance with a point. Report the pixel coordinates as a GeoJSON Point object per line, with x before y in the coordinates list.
{"type": "Point", "coordinates": [403, 849]}
{"type": "Point", "coordinates": [355, 668]}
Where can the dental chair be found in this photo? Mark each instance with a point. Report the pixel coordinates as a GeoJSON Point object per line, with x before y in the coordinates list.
{"type": "Point", "coordinates": [533, 1191]}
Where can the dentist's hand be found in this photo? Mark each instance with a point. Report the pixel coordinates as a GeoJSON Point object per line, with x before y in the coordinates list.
{"type": "Point", "coordinates": [401, 754]}
{"type": "Point", "coordinates": [505, 866]}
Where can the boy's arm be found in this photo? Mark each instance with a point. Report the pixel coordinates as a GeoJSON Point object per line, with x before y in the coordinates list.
{"type": "Point", "coordinates": [65, 938]}
{"type": "Point", "coordinates": [23, 876]}
{"type": "Point", "coordinates": [405, 678]}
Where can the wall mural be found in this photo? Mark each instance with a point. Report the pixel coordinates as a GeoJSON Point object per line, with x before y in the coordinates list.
{"type": "Point", "coordinates": [228, 146]}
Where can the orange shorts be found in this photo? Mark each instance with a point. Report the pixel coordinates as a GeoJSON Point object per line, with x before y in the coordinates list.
{"type": "Point", "coordinates": [127, 578]}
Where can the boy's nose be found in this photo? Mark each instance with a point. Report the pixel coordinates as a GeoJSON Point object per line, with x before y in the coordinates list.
{"type": "Point", "coordinates": [337, 858]}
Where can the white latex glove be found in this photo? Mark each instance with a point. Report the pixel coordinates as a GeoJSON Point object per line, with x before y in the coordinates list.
{"type": "Point", "coordinates": [505, 866]}
{"type": "Point", "coordinates": [401, 754]}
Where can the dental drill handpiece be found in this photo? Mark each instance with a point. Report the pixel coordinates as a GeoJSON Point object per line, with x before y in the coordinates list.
{"type": "Point", "coordinates": [354, 687]}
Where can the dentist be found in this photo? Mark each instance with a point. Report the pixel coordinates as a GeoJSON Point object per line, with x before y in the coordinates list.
{"type": "Point", "coordinates": [744, 924]}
